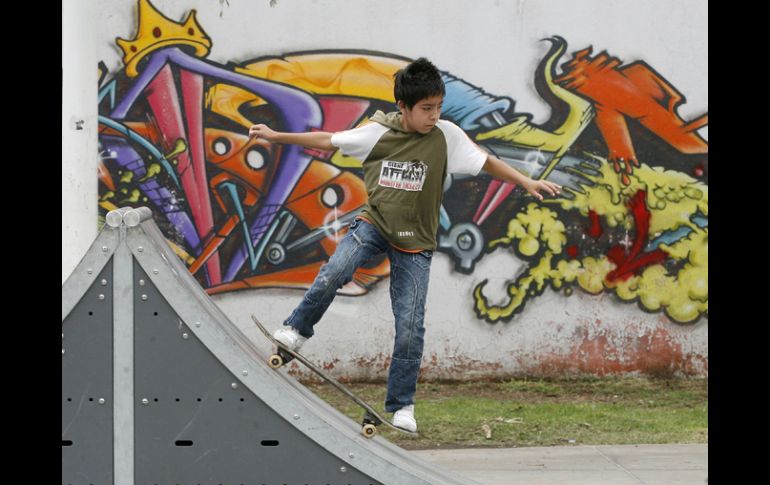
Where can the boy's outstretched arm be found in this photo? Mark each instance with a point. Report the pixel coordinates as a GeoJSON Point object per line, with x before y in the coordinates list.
{"type": "Point", "coordinates": [320, 140]}
{"type": "Point", "coordinates": [499, 169]}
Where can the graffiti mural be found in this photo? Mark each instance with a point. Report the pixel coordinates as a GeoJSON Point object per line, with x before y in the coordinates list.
{"type": "Point", "coordinates": [246, 214]}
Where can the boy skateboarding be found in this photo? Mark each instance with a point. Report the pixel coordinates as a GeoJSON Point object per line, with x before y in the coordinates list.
{"type": "Point", "coordinates": [406, 157]}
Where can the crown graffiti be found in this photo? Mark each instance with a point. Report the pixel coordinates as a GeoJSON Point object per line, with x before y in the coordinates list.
{"type": "Point", "coordinates": [157, 31]}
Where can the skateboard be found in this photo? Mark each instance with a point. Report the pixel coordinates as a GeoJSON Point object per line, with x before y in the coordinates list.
{"type": "Point", "coordinates": [282, 356]}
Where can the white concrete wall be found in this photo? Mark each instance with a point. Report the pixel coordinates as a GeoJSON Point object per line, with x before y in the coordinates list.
{"type": "Point", "coordinates": [493, 44]}
{"type": "Point", "coordinates": [78, 146]}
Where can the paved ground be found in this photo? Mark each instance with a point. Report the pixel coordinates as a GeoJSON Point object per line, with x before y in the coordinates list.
{"type": "Point", "coordinates": [578, 465]}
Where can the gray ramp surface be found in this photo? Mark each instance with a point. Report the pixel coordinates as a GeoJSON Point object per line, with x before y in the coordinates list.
{"type": "Point", "coordinates": [160, 387]}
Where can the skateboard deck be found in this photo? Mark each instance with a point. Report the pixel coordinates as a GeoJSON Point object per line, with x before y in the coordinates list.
{"type": "Point", "coordinates": [283, 356]}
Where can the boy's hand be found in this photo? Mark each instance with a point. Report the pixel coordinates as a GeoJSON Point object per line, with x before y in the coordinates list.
{"type": "Point", "coordinates": [262, 131]}
{"type": "Point", "coordinates": [534, 187]}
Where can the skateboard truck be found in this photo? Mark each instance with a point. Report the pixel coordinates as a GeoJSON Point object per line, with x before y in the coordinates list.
{"type": "Point", "coordinates": [279, 358]}
{"type": "Point", "coordinates": [369, 424]}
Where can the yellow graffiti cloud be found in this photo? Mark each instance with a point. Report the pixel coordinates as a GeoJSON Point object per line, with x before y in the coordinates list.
{"type": "Point", "coordinates": [674, 200]}
{"type": "Point", "coordinates": [535, 229]}
{"type": "Point", "coordinates": [684, 295]}
{"type": "Point", "coordinates": [594, 273]}
{"type": "Point", "coordinates": [532, 227]}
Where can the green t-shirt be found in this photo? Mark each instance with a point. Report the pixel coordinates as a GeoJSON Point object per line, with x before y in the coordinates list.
{"type": "Point", "coordinates": [404, 173]}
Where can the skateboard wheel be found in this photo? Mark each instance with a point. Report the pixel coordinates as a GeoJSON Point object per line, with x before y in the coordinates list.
{"type": "Point", "coordinates": [369, 430]}
{"type": "Point", "coordinates": [275, 361]}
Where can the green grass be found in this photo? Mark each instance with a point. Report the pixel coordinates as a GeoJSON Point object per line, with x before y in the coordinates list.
{"type": "Point", "coordinates": [527, 412]}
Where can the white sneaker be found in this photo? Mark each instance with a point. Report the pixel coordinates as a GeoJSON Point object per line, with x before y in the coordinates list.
{"type": "Point", "coordinates": [404, 418]}
{"type": "Point", "coordinates": [289, 337]}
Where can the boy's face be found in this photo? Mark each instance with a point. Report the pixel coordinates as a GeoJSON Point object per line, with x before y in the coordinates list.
{"type": "Point", "coordinates": [423, 116]}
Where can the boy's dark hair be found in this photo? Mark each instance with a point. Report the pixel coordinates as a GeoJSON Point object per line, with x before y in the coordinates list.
{"type": "Point", "coordinates": [417, 81]}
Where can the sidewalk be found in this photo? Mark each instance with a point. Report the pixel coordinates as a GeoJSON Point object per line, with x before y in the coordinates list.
{"type": "Point", "coordinates": [578, 465]}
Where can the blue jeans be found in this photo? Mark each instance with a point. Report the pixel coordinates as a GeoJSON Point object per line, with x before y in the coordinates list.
{"type": "Point", "coordinates": [409, 274]}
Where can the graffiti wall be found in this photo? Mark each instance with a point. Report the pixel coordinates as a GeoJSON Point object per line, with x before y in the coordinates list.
{"type": "Point", "coordinates": [256, 220]}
